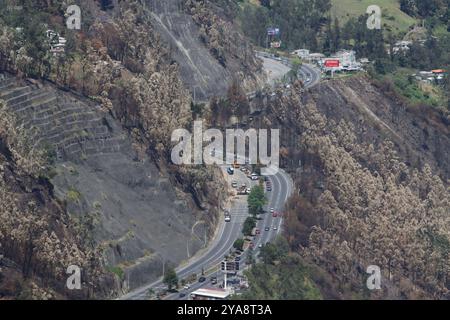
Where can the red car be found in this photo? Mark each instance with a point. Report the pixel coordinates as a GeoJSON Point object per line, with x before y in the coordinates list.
{"type": "Point", "coordinates": [257, 231]}
{"type": "Point", "coordinates": [252, 245]}
{"type": "Point", "coordinates": [274, 214]}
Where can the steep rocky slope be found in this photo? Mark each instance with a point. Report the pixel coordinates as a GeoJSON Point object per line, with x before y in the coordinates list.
{"type": "Point", "coordinates": [103, 117]}
{"type": "Point", "coordinates": [123, 204]}
{"type": "Point", "coordinates": [209, 49]}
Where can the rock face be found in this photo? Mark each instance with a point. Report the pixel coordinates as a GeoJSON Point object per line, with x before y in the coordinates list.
{"type": "Point", "coordinates": [126, 205]}
{"type": "Point", "coordinates": [185, 26]}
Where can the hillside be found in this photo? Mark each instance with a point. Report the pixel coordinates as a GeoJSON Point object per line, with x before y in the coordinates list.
{"type": "Point", "coordinates": [394, 19]}
{"type": "Point", "coordinates": [372, 180]}
{"type": "Point", "coordinates": [208, 48]}
{"type": "Point", "coordinates": [103, 114]}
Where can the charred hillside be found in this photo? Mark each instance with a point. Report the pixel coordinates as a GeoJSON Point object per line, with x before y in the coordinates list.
{"type": "Point", "coordinates": [371, 175]}
{"type": "Point", "coordinates": [102, 114]}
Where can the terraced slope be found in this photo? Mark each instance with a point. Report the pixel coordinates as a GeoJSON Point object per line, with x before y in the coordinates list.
{"type": "Point", "coordinates": [126, 205]}
{"type": "Point", "coordinates": [70, 127]}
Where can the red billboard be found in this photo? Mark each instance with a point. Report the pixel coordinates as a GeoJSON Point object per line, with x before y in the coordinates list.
{"type": "Point", "coordinates": [332, 63]}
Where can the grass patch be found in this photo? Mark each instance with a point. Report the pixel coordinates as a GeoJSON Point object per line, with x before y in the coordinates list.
{"type": "Point", "coordinates": [73, 195]}
{"type": "Point", "coordinates": [392, 17]}
{"type": "Point", "coordinates": [118, 271]}
{"type": "Point", "coordinates": [415, 91]}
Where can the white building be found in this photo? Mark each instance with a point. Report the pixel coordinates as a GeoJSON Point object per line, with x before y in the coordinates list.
{"type": "Point", "coordinates": [57, 43]}
{"type": "Point", "coordinates": [316, 57]}
{"type": "Point", "coordinates": [348, 60]}
{"type": "Point", "coordinates": [302, 53]}
{"type": "Point", "coordinates": [433, 76]}
{"type": "Point", "coordinates": [401, 46]}
{"type": "Point", "coordinates": [210, 294]}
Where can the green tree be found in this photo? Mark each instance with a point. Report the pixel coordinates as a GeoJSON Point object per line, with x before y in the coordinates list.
{"type": "Point", "coordinates": [337, 40]}
{"type": "Point", "coordinates": [272, 252]}
{"type": "Point", "coordinates": [296, 63]}
{"type": "Point", "coordinates": [256, 200]}
{"type": "Point", "coordinates": [171, 278]}
{"type": "Point", "coordinates": [239, 244]}
{"type": "Point", "coordinates": [249, 224]}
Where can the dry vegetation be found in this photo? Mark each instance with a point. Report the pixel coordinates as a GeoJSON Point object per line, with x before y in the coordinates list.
{"type": "Point", "coordinates": [225, 42]}
{"type": "Point", "coordinates": [360, 205]}
{"type": "Point", "coordinates": [35, 234]}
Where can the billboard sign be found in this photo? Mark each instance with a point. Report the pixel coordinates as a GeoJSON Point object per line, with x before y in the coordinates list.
{"type": "Point", "coordinates": [276, 44]}
{"type": "Point", "coordinates": [229, 266]}
{"type": "Point", "coordinates": [273, 31]}
{"type": "Point", "coordinates": [332, 63]}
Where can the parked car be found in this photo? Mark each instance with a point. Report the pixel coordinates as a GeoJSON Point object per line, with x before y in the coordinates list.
{"type": "Point", "coordinates": [237, 259]}
{"type": "Point", "coordinates": [201, 279]}
{"type": "Point", "coordinates": [230, 170]}
{"type": "Point", "coordinates": [213, 280]}
{"type": "Point", "coordinates": [182, 294]}
{"type": "Point", "coordinates": [234, 184]}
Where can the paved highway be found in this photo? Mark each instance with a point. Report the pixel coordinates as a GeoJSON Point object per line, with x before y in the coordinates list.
{"type": "Point", "coordinates": [277, 67]}
{"type": "Point", "coordinates": [282, 188]}
{"type": "Point", "coordinates": [310, 75]}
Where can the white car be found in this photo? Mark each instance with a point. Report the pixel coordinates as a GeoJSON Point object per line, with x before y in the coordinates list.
{"type": "Point", "coordinates": [275, 228]}
{"type": "Point", "coordinates": [186, 287]}
{"type": "Point", "coordinates": [272, 210]}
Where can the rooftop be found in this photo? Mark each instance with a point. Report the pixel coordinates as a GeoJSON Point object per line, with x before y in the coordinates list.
{"type": "Point", "coordinates": [213, 293]}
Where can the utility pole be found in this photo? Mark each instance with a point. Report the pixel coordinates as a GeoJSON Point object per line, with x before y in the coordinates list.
{"type": "Point", "coordinates": [195, 95]}
{"type": "Point", "coordinates": [225, 279]}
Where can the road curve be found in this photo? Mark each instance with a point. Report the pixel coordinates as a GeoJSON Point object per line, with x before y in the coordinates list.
{"type": "Point", "coordinates": [282, 188]}
{"type": "Point", "coordinates": [309, 71]}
